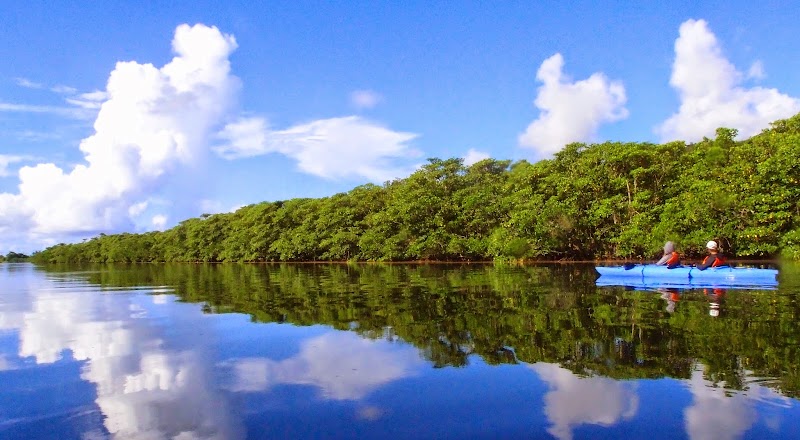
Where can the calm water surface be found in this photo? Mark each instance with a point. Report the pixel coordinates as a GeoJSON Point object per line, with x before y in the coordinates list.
{"type": "Point", "coordinates": [394, 351]}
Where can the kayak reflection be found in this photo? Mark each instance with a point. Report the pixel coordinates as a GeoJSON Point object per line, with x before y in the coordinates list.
{"type": "Point", "coordinates": [672, 295]}
{"type": "Point", "coordinates": [715, 297]}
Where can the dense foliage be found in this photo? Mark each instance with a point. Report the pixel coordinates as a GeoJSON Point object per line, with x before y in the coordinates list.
{"type": "Point", "coordinates": [507, 314]}
{"type": "Point", "coordinates": [609, 200]}
{"type": "Point", "coordinates": [14, 257]}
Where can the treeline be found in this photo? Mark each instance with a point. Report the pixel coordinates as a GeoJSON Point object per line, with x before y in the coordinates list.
{"type": "Point", "coordinates": [13, 257]}
{"type": "Point", "coordinates": [609, 200]}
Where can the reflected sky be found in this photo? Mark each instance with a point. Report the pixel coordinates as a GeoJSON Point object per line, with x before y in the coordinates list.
{"type": "Point", "coordinates": [573, 400]}
{"type": "Point", "coordinates": [80, 362]}
{"type": "Point", "coordinates": [148, 383]}
{"type": "Point", "coordinates": [717, 413]}
{"type": "Point", "coordinates": [342, 366]}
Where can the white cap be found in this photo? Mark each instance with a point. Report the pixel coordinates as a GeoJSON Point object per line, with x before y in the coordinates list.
{"type": "Point", "coordinates": [711, 244]}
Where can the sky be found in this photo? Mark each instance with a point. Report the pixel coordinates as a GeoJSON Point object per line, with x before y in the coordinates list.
{"type": "Point", "coordinates": [133, 116]}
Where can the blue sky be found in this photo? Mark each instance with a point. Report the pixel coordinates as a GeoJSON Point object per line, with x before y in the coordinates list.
{"type": "Point", "coordinates": [215, 106]}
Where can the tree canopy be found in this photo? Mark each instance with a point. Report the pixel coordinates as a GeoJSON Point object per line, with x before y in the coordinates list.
{"type": "Point", "coordinates": [14, 257]}
{"type": "Point", "coordinates": [590, 201]}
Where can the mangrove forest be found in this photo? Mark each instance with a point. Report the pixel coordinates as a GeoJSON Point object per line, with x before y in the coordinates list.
{"type": "Point", "coordinates": [590, 201]}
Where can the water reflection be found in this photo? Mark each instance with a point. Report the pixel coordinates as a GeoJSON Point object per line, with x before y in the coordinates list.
{"type": "Point", "coordinates": [671, 296]}
{"type": "Point", "coordinates": [5, 364]}
{"type": "Point", "coordinates": [343, 366]}
{"type": "Point", "coordinates": [392, 352]}
{"type": "Point", "coordinates": [715, 298]}
{"type": "Point", "coordinates": [574, 400]}
{"type": "Point", "coordinates": [147, 385]}
{"type": "Point", "coordinates": [718, 413]}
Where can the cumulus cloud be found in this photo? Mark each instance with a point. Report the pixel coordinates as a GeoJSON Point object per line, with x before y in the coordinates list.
{"type": "Point", "coordinates": [571, 111]}
{"type": "Point", "coordinates": [365, 99]}
{"type": "Point", "coordinates": [345, 147]}
{"type": "Point", "coordinates": [154, 129]}
{"type": "Point", "coordinates": [474, 156]}
{"type": "Point", "coordinates": [711, 92]}
{"type": "Point", "coordinates": [574, 400]}
{"type": "Point", "coordinates": [153, 124]}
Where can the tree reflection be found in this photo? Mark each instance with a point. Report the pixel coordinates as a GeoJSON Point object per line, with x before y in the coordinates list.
{"type": "Point", "coordinates": [547, 313]}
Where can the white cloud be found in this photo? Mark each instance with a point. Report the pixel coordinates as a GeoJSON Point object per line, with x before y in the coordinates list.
{"type": "Point", "coordinates": [137, 208]}
{"type": "Point", "coordinates": [91, 100]}
{"type": "Point", "coordinates": [711, 94]}
{"type": "Point", "coordinates": [574, 400]}
{"type": "Point", "coordinates": [6, 160]}
{"type": "Point", "coordinates": [83, 101]}
{"type": "Point", "coordinates": [346, 147]}
{"type": "Point", "coordinates": [474, 156]}
{"type": "Point", "coordinates": [51, 109]}
{"type": "Point", "coordinates": [571, 111]}
{"type": "Point", "coordinates": [159, 222]}
{"type": "Point", "coordinates": [365, 99]}
{"type": "Point", "coordinates": [63, 90]}
{"type": "Point", "coordinates": [246, 137]}
{"type": "Point", "coordinates": [28, 84]}
{"type": "Point", "coordinates": [153, 126]}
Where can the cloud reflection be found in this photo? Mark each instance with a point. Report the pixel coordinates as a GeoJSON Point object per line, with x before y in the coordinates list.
{"type": "Point", "coordinates": [146, 388]}
{"type": "Point", "coordinates": [574, 400]}
{"type": "Point", "coordinates": [344, 366]}
{"type": "Point", "coordinates": [717, 413]}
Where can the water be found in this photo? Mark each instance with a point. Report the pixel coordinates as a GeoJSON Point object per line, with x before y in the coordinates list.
{"type": "Point", "coordinates": [389, 351]}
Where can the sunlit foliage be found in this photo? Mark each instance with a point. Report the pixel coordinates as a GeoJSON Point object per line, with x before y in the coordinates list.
{"type": "Point", "coordinates": [609, 200]}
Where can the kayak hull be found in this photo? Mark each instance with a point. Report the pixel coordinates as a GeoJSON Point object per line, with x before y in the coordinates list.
{"type": "Point", "coordinates": [686, 275]}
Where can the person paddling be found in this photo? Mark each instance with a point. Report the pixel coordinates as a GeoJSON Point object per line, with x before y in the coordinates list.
{"type": "Point", "coordinates": [671, 258]}
{"type": "Point", "coordinates": [715, 258]}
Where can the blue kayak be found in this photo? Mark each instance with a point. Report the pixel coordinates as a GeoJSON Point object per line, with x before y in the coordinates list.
{"type": "Point", "coordinates": [683, 275]}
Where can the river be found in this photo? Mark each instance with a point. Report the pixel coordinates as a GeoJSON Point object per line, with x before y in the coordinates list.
{"type": "Point", "coordinates": [377, 351]}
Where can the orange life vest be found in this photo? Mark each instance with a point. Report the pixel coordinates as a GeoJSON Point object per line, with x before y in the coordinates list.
{"type": "Point", "coordinates": [674, 259]}
{"type": "Point", "coordinates": [718, 261]}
